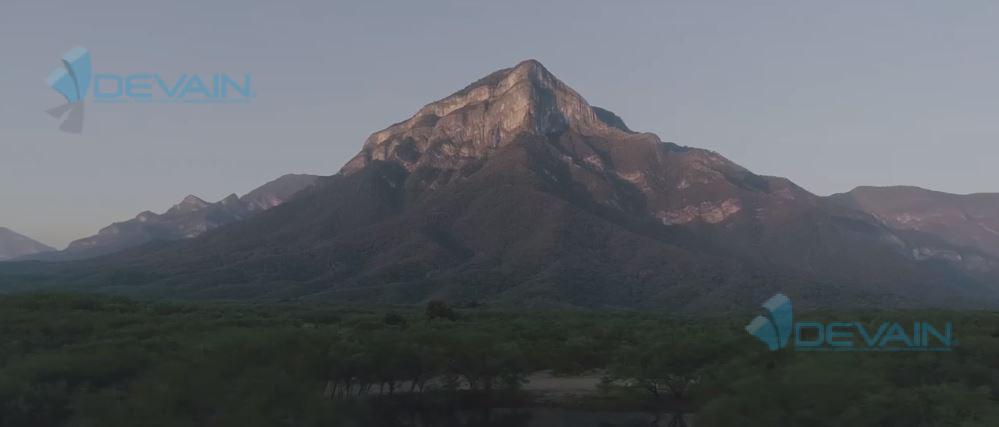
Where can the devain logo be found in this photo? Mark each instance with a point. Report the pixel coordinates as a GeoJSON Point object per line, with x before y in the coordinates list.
{"type": "Point", "coordinates": [776, 328]}
{"type": "Point", "coordinates": [75, 78]}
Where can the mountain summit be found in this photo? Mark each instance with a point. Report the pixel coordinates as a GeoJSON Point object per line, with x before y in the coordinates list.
{"type": "Point", "coordinates": [191, 203]}
{"type": "Point", "coordinates": [515, 190]}
{"type": "Point", "coordinates": [679, 184]}
{"type": "Point", "coordinates": [485, 116]}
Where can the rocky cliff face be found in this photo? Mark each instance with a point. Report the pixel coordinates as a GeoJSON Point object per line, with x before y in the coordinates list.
{"type": "Point", "coordinates": [483, 117]}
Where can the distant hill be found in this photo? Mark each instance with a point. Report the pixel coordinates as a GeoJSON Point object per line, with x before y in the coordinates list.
{"type": "Point", "coordinates": [969, 221]}
{"type": "Point", "coordinates": [189, 218]}
{"type": "Point", "coordinates": [13, 245]}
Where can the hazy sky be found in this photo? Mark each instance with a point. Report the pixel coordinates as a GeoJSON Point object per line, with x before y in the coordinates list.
{"type": "Point", "coordinates": [832, 94]}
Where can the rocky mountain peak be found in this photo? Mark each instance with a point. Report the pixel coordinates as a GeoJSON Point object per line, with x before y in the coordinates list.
{"type": "Point", "coordinates": [230, 200]}
{"type": "Point", "coordinates": [190, 203]}
{"type": "Point", "coordinates": [485, 115]}
{"type": "Point", "coordinates": [277, 191]}
{"type": "Point", "coordinates": [526, 97]}
{"type": "Point", "coordinates": [528, 104]}
{"type": "Point", "coordinates": [146, 216]}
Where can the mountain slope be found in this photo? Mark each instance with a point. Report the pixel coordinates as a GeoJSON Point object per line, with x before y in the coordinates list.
{"type": "Point", "coordinates": [951, 224]}
{"type": "Point", "coordinates": [13, 245]}
{"type": "Point", "coordinates": [515, 190]}
{"type": "Point", "coordinates": [189, 218]}
{"type": "Point", "coordinates": [277, 191]}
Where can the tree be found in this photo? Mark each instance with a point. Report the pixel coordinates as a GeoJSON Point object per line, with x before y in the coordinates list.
{"type": "Point", "coordinates": [437, 309]}
{"type": "Point", "coordinates": [667, 364]}
{"type": "Point", "coordinates": [393, 319]}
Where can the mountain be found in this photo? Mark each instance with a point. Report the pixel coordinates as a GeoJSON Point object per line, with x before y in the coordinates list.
{"type": "Point", "coordinates": [968, 222]}
{"type": "Point", "coordinates": [13, 245]}
{"type": "Point", "coordinates": [515, 190]}
{"type": "Point", "coordinates": [189, 218]}
{"type": "Point", "coordinates": [277, 191]}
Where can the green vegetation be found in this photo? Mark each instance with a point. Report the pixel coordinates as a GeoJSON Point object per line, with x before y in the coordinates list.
{"type": "Point", "coordinates": [83, 360]}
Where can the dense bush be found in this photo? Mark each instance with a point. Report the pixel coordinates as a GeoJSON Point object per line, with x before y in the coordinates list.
{"type": "Point", "coordinates": [100, 361]}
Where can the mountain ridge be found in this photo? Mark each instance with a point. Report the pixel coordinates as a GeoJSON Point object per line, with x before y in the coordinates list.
{"type": "Point", "coordinates": [515, 190]}
{"type": "Point", "coordinates": [189, 218]}
{"type": "Point", "coordinates": [963, 220]}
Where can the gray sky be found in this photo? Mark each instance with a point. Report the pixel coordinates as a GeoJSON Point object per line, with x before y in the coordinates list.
{"type": "Point", "coordinates": [832, 94]}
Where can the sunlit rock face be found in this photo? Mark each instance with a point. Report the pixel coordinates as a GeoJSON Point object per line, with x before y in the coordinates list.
{"type": "Point", "coordinates": [486, 115]}
{"type": "Point", "coordinates": [678, 185]}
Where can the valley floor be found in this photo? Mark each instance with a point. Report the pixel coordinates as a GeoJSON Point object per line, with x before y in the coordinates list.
{"type": "Point", "coordinates": [85, 360]}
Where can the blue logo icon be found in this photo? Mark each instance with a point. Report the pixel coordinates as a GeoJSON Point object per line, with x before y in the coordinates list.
{"type": "Point", "coordinates": [774, 327]}
{"type": "Point", "coordinates": [73, 78]}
